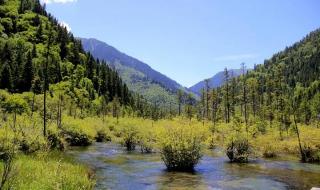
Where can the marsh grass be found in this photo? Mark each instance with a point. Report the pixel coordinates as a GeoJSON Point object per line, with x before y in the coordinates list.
{"type": "Point", "coordinates": [179, 140]}
{"type": "Point", "coordinates": [181, 147]}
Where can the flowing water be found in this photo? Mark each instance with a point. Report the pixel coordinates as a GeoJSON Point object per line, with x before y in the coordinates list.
{"type": "Point", "coordinates": [118, 169]}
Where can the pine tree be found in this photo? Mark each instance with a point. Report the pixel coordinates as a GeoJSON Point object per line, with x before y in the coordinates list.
{"type": "Point", "coordinates": [179, 98]}
{"type": "Point", "coordinates": [207, 96]}
{"type": "Point", "coordinates": [244, 94]}
{"type": "Point", "coordinates": [226, 96]}
{"type": "Point", "coordinates": [39, 33]}
{"type": "Point", "coordinates": [34, 51]}
{"type": "Point", "coordinates": [6, 78]}
{"type": "Point", "coordinates": [189, 106]}
{"type": "Point", "coordinates": [75, 59]}
{"type": "Point", "coordinates": [28, 74]}
{"type": "Point", "coordinates": [36, 20]}
{"type": "Point", "coordinates": [214, 106]}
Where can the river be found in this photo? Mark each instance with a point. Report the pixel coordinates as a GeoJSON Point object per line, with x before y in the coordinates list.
{"type": "Point", "coordinates": [118, 169]}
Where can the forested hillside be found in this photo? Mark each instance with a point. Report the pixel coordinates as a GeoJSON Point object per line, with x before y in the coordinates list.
{"type": "Point", "coordinates": [282, 92]}
{"type": "Point", "coordinates": [35, 48]}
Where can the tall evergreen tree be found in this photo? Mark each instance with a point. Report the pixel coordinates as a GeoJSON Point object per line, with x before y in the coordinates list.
{"type": "Point", "coordinates": [27, 75]}
{"type": "Point", "coordinates": [6, 78]}
{"type": "Point", "coordinates": [226, 96]}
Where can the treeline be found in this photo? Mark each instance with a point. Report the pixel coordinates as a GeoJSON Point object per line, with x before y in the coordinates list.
{"type": "Point", "coordinates": [283, 91]}
{"type": "Point", "coordinates": [36, 49]}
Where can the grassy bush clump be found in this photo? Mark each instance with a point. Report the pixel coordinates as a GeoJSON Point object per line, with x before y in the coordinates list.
{"type": "Point", "coordinates": [76, 138]}
{"type": "Point", "coordinates": [55, 142]}
{"type": "Point", "coordinates": [7, 154]}
{"type": "Point", "coordinates": [147, 140]}
{"type": "Point", "coordinates": [310, 154]}
{"type": "Point", "coordinates": [129, 137]}
{"type": "Point", "coordinates": [212, 142]}
{"type": "Point", "coordinates": [238, 150]}
{"type": "Point", "coordinates": [269, 151]}
{"type": "Point", "coordinates": [102, 136]}
{"type": "Point", "coordinates": [181, 147]}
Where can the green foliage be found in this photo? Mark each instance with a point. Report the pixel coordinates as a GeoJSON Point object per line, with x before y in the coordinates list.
{"type": "Point", "coordinates": [269, 151]}
{"type": "Point", "coordinates": [6, 78]}
{"type": "Point", "coordinates": [77, 138]}
{"type": "Point", "coordinates": [56, 142]}
{"type": "Point", "coordinates": [181, 147]}
{"type": "Point", "coordinates": [310, 153]}
{"type": "Point", "coordinates": [15, 104]}
{"type": "Point", "coordinates": [238, 149]}
{"type": "Point", "coordinates": [129, 137]}
{"type": "Point", "coordinates": [25, 51]}
{"type": "Point", "coordinates": [29, 145]}
{"type": "Point", "coordinates": [60, 173]}
{"type": "Point", "coordinates": [102, 136]}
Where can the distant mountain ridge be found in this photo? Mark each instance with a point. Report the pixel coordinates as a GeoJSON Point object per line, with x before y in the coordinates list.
{"type": "Point", "coordinates": [102, 50]}
{"type": "Point", "coordinates": [216, 81]}
{"type": "Point", "coordinates": [139, 76]}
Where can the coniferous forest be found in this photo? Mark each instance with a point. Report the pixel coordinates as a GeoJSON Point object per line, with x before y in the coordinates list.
{"type": "Point", "coordinates": [55, 98]}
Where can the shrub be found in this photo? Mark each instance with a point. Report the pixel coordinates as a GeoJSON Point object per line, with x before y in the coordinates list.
{"type": "Point", "coordinates": [212, 142]}
{"type": "Point", "coordinates": [102, 136]}
{"type": "Point", "coordinates": [181, 147]}
{"type": "Point", "coordinates": [29, 146]}
{"type": "Point", "coordinates": [77, 138]}
{"type": "Point", "coordinates": [111, 127]}
{"type": "Point", "coordinates": [261, 126]}
{"type": "Point", "coordinates": [6, 175]}
{"type": "Point", "coordinates": [238, 150]}
{"type": "Point", "coordinates": [129, 137]}
{"type": "Point", "coordinates": [269, 152]}
{"type": "Point", "coordinates": [310, 154]}
{"type": "Point", "coordinates": [56, 142]}
{"type": "Point", "coordinates": [146, 140]}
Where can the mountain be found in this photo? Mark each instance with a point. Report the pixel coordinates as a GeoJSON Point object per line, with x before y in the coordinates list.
{"type": "Point", "coordinates": [139, 76]}
{"type": "Point", "coordinates": [216, 81]}
{"type": "Point", "coordinates": [35, 49]}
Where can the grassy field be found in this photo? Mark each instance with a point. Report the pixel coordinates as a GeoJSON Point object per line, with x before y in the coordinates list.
{"type": "Point", "coordinates": [40, 164]}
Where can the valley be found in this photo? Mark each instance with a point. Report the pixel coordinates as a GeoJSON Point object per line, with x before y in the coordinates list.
{"type": "Point", "coordinates": [77, 113]}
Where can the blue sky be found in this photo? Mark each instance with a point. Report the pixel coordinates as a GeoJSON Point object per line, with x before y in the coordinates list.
{"type": "Point", "coordinates": [190, 40]}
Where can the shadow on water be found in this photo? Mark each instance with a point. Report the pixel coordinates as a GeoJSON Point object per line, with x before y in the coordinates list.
{"type": "Point", "coordinates": [118, 169]}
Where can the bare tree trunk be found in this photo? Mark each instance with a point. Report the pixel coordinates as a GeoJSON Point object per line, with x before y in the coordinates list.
{"type": "Point", "coordinates": [33, 100]}
{"type": "Point", "coordinates": [44, 113]}
{"type": "Point", "coordinates": [303, 156]}
{"type": "Point", "coordinates": [46, 86]}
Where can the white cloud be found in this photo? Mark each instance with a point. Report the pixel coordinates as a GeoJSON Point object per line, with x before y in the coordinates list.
{"type": "Point", "coordinates": [64, 24]}
{"type": "Point", "coordinates": [237, 57]}
{"type": "Point", "coordinates": [58, 1]}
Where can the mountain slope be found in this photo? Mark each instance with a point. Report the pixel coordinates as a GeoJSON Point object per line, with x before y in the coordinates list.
{"type": "Point", "coordinates": [36, 49]}
{"type": "Point", "coordinates": [216, 81]}
{"type": "Point", "coordinates": [139, 76]}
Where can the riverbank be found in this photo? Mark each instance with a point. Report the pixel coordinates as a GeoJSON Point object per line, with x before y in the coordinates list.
{"type": "Point", "coordinates": [41, 158]}
{"type": "Point", "coordinates": [48, 170]}
{"type": "Point", "coordinates": [117, 168]}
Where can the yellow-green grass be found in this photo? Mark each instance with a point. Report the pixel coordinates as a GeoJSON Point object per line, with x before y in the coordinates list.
{"type": "Point", "coordinates": [45, 170]}
{"type": "Point", "coordinates": [49, 171]}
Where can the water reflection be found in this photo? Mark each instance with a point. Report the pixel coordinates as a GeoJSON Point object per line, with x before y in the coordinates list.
{"type": "Point", "coordinates": [118, 169]}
